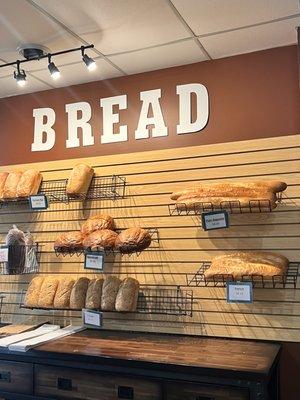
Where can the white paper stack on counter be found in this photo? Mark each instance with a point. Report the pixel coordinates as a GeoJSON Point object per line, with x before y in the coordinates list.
{"type": "Point", "coordinates": [47, 337]}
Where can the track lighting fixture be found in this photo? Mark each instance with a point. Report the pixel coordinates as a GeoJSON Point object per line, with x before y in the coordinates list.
{"type": "Point", "coordinates": [89, 62]}
{"type": "Point", "coordinates": [20, 75]}
{"type": "Point", "coordinates": [54, 71]}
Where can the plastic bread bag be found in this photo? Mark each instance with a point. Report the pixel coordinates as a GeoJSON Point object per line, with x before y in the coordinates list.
{"type": "Point", "coordinates": [31, 258]}
{"type": "Point", "coordinates": [15, 240]}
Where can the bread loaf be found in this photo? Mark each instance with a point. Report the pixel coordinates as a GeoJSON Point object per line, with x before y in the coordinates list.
{"type": "Point", "coordinates": [78, 293]}
{"type": "Point", "coordinates": [33, 292]}
{"type": "Point", "coordinates": [29, 183]}
{"type": "Point", "coordinates": [63, 293]}
{"type": "Point", "coordinates": [93, 294]}
{"type": "Point", "coordinates": [3, 177]}
{"type": "Point", "coordinates": [11, 184]}
{"type": "Point", "coordinates": [69, 241]}
{"type": "Point", "coordinates": [47, 292]}
{"type": "Point", "coordinates": [241, 263]}
{"type": "Point", "coordinates": [79, 180]}
{"type": "Point", "coordinates": [104, 238]}
{"type": "Point", "coordinates": [133, 240]}
{"type": "Point", "coordinates": [96, 223]}
{"type": "Point", "coordinates": [15, 240]}
{"type": "Point", "coordinates": [127, 296]}
{"type": "Point", "coordinates": [109, 293]}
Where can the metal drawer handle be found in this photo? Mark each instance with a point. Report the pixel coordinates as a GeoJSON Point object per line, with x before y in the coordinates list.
{"type": "Point", "coordinates": [125, 392]}
{"type": "Point", "coordinates": [64, 384]}
{"type": "Point", "coordinates": [5, 376]}
{"type": "Point", "coordinates": [204, 398]}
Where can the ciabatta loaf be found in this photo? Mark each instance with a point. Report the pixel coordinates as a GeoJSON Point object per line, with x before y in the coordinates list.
{"type": "Point", "coordinates": [79, 180]}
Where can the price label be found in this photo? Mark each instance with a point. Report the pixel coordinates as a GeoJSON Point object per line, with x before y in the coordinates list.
{"type": "Point", "coordinates": [3, 254]}
{"type": "Point", "coordinates": [94, 260]}
{"type": "Point", "coordinates": [215, 220]}
{"type": "Point", "coordinates": [239, 292]}
{"type": "Point", "coordinates": [92, 318]}
{"type": "Point", "coordinates": [38, 202]}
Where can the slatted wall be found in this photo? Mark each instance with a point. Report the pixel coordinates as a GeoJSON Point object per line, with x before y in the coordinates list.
{"type": "Point", "coordinates": [151, 177]}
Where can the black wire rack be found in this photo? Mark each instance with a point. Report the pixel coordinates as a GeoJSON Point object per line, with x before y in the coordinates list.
{"type": "Point", "coordinates": [233, 207]}
{"type": "Point", "coordinates": [78, 251]}
{"type": "Point", "coordinates": [151, 300]}
{"type": "Point", "coordinates": [22, 259]}
{"type": "Point", "coordinates": [286, 281]}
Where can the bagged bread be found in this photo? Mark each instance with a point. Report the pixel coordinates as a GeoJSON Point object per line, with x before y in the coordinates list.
{"type": "Point", "coordinates": [33, 292]}
{"type": "Point", "coordinates": [11, 184]}
{"type": "Point", "coordinates": [29, 183]}
{"type": "Point", "coordinates": [127, 296]}
{"type": "Point", "coordinates": [96, 223]}
{"type": "Point", "coordinates": [63, 293]}
{"type": "Point", "coordinates": [47, 292]}
{"type": "Point", "coordinates": [93, 294]}
{"type": "Point", "coordinates": [104, 238]}
{"type": "Point", "coordinates": [3, 177]}
{"type": "Point", "coordinates": [110, 290]}
{"type": "Point", "coordinates": [15, 240]}
{"type": "Point", "coordinates": [31, 261]}
{"type": "Point", "coordinates": [78, 293]}
{"type": "Point", "coordinates": [69, 241]}
{"type": "Point", "coordinates": [79, 180]}
{"type": "Point", "coordinates": [133, 240]}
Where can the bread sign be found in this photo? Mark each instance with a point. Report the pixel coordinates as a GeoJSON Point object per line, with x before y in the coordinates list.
{"type": "Point", "coordinates": [79, 115]}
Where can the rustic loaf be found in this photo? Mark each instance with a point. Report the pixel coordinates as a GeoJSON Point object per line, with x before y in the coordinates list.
{"type": "Point", "coordinates": [241, 263]}
{"type": "Point", "coordinates": [29, 183]}
{"type": "Point", "coordinates": [3, 177]}
{"type": "Point", "coordinates": [96, 223]}
{"type": "Point", "coordinates": [78, 293]}
{"type": "Point", "coordinates": [79, 180]}
{"type": "Point", "coordinates": [69, 241]}
{"type": "Point", "coordinates": [47, 292]}
{"type": "Point", "coordinates": [104, 238]}
{"type": "Point", "coordinates": [133, 240]}
{"type": "Point", "coordinates": [33, 292]}
{"type": "Point", "coordinates": [63, 293]}
{"type": "Point", "coordinates": [127, 296]}
{"type": "Point", "coordinates": [93, 294]}
{"type": "Point", "coordinates": [110, 290]}
{"type": "Point", "coordinates": [11, 184]}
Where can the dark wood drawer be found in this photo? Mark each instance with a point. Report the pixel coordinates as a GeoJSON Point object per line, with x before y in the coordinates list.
{"type": "Point", "coordinates": [190, 391]}
{"type": "Point", "coordinates": [68, 383]}
{"type": "Point", "coordinates": [16, 377]}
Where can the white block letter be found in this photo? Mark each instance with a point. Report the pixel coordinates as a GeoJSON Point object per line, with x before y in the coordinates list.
{"type": "Point", "coordinates": [110, 118]}
{"type": "Point", "coordinates": [185, 111]}
{"type": "Point", "coordinates": [151, 97]}
{"type": "Point", "coordinates": [74, 123]}
{"type": "Point", "coordinates": [43, 142]}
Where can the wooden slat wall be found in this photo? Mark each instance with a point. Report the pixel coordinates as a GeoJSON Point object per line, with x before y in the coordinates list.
{"type": "Point", "coordinates": [151, 177]}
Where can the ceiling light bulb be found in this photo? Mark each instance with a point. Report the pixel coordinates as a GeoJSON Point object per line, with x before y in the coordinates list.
{"type": "Point", "coordinates": [20, 77]}
{"type": "Point", "coordinates": [54, 71]}
{"type": "Point", "coordinates": [89, 62]}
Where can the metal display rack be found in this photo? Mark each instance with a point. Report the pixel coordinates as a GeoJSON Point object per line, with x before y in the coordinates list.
{"type": "Point", "coordinates": [151, 300]}
{"type": "Point", "coordinates": [77, 252]}
{"type": "Point", "coordinates": [30, 255]}
{"type": "Point", "coordinates": [287, 281]}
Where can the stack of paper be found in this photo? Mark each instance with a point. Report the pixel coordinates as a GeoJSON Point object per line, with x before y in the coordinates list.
{"type": "Point", "coordinates": [7, 341]}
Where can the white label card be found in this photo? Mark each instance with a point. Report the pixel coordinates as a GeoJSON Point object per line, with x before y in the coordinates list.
{"type": "Point", "coordinates": [38, 202]}
{"type": "Point", "coordinates": [4, 254]}
{"type": "Point", "coordinates": [239, 292]}
{"type": "Point", "coordinates": [94, 260]}
{"type": "Point", "coordinates": [215, 220]}
{"type": "Point", "coordinates": [92, 318]}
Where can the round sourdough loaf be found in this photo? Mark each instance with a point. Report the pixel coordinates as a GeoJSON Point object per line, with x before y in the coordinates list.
{"type": "Point", "coordinates": [96, 223]}
{"type": "Point", "coordinates": [104, 238]}
{"type": "Point", "coordinates": [69, 241]}
{"type": "Point", "coordinates": [132, 240]}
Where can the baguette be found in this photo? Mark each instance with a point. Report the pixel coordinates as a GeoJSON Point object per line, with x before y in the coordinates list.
{"type": "Point", "coordinates": [127, 296]}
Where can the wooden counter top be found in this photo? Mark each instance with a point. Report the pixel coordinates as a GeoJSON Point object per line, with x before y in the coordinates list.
{"type": "Point", "coordinates": [222, 354]}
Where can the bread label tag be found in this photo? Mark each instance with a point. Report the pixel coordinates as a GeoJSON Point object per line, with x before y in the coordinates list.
{"type": "Point", "coordinates": [239, 292]}
{"type": "Point", "coordinates": [3, 254]}
{"type": "Point", "coordinates": [94, 260]}
{"type": "Point", "coordinates": [215, 220]}
{"type": "Point", "coordinates": [38, 202]}
{"type": "Point", "coordinates": [92, 318]}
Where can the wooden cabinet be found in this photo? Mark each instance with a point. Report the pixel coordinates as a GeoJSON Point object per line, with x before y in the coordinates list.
{"type": "Point", "coordinates": [190, 391]}
{"type": "Point", "coordinates": [16, 377]}
{"type": "Point", "coordinates": [68, 383]}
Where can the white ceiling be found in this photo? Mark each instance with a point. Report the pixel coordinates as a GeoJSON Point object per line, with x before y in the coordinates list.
{"type": "Point", "coordinates": [132, 36]}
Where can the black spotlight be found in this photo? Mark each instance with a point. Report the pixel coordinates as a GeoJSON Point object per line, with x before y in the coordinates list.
{"type": "Point", "coordinates": [89, 62]}
{"type": "Point", "coordinates": [54, 71]}
{"type": "Point", "coordinates": [20, 75]}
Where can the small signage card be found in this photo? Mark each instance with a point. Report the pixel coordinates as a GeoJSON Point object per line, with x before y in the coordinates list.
{"type": "Point", "coordinates": [239, 292]}
{"type": "Point", "coordinates": [38, 202]}
{"type": "Point", "coordinates": [215, 220]}
{"type": "Point", "coordinates": [92, 318]}
{"type": "Point", "coordinates": [4, 254]}
{"type": "Point", "coordinates": [94, 260]}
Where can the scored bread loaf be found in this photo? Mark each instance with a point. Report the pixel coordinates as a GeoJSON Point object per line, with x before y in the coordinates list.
{"type": "Point", "coordinates": [47, 292]}
{"type": "Point", "coordinates": [11, 184]}
{"type": "Point", "coordinates": [63, 293]}
{"type": "Point", "coordinates": [3, 177]}
{"type": "Point", "coordinates": [266, 264]}
{"type": "Point", "coordinates": [96, 223]}
{"type": "Point", "coordinates": [79, 180]}
{"type": "Point", "coordinates": [33, 292]}
{"type": "Point", "coordinates": [78, 293]}
{"type": "Point", "coordinates": [133, 240]}
{"type": "Point", "coordinates": [127, 296]}
{"type": "Point", "coordinates": [69, 241]}
{"type": "Point", "coordinates": [93, 294]}
{"type": "Point", "coordinates": [29, 183]}
{"type": "Point", "coordinates": [110, 290]}
{"type": "Point", "coordinates": [104, 238]}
